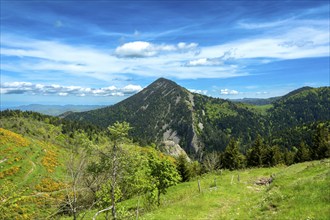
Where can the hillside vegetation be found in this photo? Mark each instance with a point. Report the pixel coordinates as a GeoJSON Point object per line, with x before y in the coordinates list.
{"type": "Point", "coordinates": [166, 111]}
{"type": "Point", "coordinates": [32, 176]}
{"type": "Point", "coordinates": [299, 191]}
{"type": "Point", "coordinates": [48, 171]}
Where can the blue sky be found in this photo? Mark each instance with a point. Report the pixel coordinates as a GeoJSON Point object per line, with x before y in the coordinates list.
{"type": "Point", "coordinates": [100, 52]}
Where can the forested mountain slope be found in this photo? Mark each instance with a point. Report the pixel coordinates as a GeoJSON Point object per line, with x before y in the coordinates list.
{"type": "Point", "coordinates": [160, 112]}
{"type": "Point", "coordinates": [301, 106]}
{"type": "Point", "coordinates": [166, 111]}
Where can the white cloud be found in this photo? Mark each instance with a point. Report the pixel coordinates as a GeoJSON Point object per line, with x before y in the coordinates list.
{"type": "Point", "coordinates": [199, 91]}
{"type": "Point", "coordinates": [136, 49]}
{"type": "Point", "coordinates": [146, 49]}
{"type": "Point", "coordinates": [261, 93]}
{"type": "Point", "coordinates": [39, 89]}
{"type": "Point", "coordinates": [205, 62]}
{"type": "Point", "coordinates": [227, 56]}
{"type": "Point", "coordinates": [283, 39]}
{"type": "Point", "coordinates": [131, 88]}
{"type": "Point", "coordinates": [296, 44]}
{"type": "Point", "coordinates": [228, 92]}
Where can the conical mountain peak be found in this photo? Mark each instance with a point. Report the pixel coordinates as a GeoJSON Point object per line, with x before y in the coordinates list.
{"type": "Point", "coordinates": [163, 83]}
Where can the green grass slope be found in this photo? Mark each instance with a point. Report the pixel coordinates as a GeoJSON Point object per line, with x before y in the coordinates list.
{"type": "Point", "coordinates": [300, 191]}
{"type": "Point", "coordinates": [31, 176]}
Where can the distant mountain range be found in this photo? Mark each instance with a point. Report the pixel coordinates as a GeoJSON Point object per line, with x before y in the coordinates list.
{"type": "Point", "coordinates": [165, 111]}
{"type": "Point", "coordinates": [56, 110]}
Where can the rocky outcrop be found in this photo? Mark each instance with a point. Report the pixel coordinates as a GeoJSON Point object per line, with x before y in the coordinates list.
{"type": "Point", "coordinates": [172, 148]}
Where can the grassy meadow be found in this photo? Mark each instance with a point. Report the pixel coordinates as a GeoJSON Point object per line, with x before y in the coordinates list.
{"type": "Point", "coordinates": [300, 191]}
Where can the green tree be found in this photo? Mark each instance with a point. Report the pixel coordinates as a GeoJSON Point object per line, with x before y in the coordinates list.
{"type": "Point", "coordinates": [289, 156]}
{"type": "Point", "coordinates": [118, 134]}
{"type": "Point", "coordinates": [111, 163]}
{"type": "Point", "coordinates": [163, 174]}
{"type": "Point", "coordinates": [183, 168]}
{"type": "Point", "coordinates": [274, 156]}
{"type": "Point", "coordinates": [255, 155]}
{"type": "Point", "coordinates": [232, 157]}
{"type": "Point", "coordinates": [302, 154]}
{"type": "Point", "coordinates": [321, 142]}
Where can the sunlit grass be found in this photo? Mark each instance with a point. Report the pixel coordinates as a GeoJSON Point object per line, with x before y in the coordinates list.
{"type": "Point", "coordinates": [300, 191]}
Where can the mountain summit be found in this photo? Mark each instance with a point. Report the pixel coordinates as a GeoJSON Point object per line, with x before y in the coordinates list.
{"type": "Point", "coordinates": [166, 113]}
{"type": "Point", "coordinates": [161, 112]}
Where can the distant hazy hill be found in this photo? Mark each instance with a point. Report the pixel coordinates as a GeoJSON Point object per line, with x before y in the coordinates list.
{"type": "Point", "coordinates": [165, 111]}
{"type": "Point", "coordinates": [56, 110]}
{"type": "Point", "coordinates": [256, 101]}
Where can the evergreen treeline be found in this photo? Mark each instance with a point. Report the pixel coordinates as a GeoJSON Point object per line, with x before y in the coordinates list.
{"type": "Point", "coordinates": [298, 144]}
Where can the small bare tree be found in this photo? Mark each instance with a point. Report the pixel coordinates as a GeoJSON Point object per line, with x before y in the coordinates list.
{"type": "Point", "coordinates": [211, 161]}
{"type": "Point", "coordinates": [80, 147]}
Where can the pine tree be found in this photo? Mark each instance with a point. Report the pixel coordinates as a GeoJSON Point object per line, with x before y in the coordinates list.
{"type": "Point", "coordinates": [321, 142]}
{"type": "Point", "coordinates": [232, 158]}
{"type": "Point", "coordinates": [183, 168]}
{"type": "Point", "coordinates": [303, 153]}
{"type": "Point", "coordinates": [256, 153]}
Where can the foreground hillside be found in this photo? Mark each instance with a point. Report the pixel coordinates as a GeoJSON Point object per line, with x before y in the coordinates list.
{"type": "Point", "coordinates": [48, 170]}
{"type": "Point", "coordinates": [32, 176]}
{"type": "Point", "coordinates": [299, 191]}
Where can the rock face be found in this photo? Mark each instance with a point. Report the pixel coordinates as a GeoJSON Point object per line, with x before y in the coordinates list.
{"type": "Point", "coordinates": [172, 148]}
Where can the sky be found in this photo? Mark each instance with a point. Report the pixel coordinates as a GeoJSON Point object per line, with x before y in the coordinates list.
{"type": "Point", "coordinates": [101, 52]}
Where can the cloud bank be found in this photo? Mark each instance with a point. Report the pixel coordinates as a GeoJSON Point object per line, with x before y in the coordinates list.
{"type": "Point", "coordinates": [41, 89]}
{"type": "Point", "coordinates": [228, 92]}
